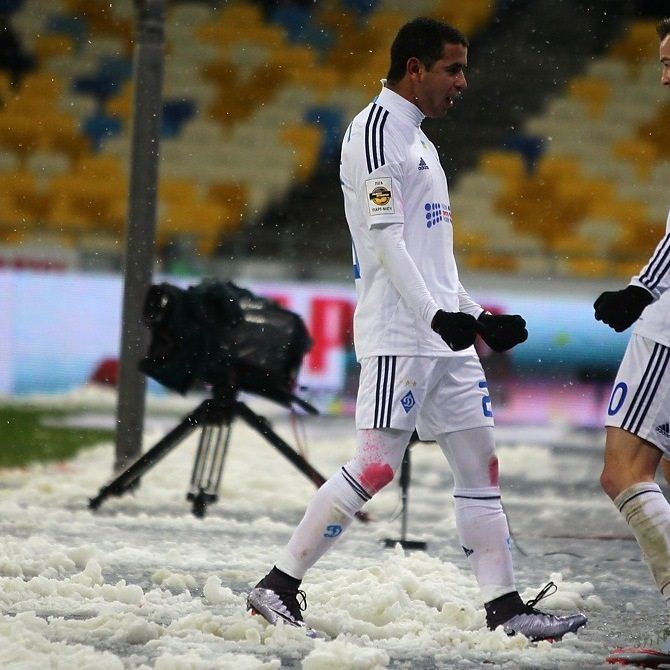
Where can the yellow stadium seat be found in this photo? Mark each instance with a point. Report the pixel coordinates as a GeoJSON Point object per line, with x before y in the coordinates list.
{"type": "Point", "coordinates": [594, 93]}
{"type": "Point", "coordinates": [555, 168]}
{"type": "Point", "coordinates": [637, 46]}
{"type": "Point", "coordinates": [203, 222]}
{"type": "Point", "coordinates": [101, 167]}
{"type": "Point", "coordinates": [95, 199]}
{"type": "Point", "coordinates": [470, 17]}
{"type": "Point", "coordinates": [641, 153]}
{"type": "Point", "coordinates": [485, 261]}
{"type": "Point", "coordinates": [627, 269]}
{"type": "Point", "coordinates": [232, 198]}
{"type": "Point", "coordinates": [293, 60]}
{"type": "Point", "coordinates": [47, 46]}
{"type": "Point", "coordinates": [657, 131]}
{"type": "Point", "coordinates": [121, 105]}
{"type": "Point", "coordinates": [586, 268]}
{"type": "Point", "coordinates": [503, 164]}
{"type": "Point", "coordinates": [178, 191]}
{"type": "Point", "coordinates": [23, 197]}
{"type": "Point", "coordinates": [305, 142]}
{"type": "Point", "coordinates": [21, 134]}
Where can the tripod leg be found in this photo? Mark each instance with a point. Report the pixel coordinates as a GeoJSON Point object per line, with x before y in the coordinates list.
{"type": "Point", "coordinates": [122, 482]}
{"type": "Point", "coordinates": [263, 427]}
{"type": "Point", "coordinates": [201, 457]}
{"type": "Point", "coordinates": [208, 467]}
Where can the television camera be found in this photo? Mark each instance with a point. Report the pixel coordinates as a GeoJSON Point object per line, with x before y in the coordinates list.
{"type": "Point", "coordinates": [224, 338]}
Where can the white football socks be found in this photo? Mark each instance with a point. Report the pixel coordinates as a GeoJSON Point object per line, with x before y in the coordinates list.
{"type": "Point", "coordinates": [484, 534]}
{"type": "Point", "coordinates": [647, 512]}
{"type": "Point", "coordinates": [327, 516]}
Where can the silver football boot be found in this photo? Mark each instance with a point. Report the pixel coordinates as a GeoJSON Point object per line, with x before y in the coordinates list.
{"type": "Point", "coordinates": [519, 618]}
{"type": "Point", "coordinates": [285, 606]}
{"type": "Point", "coordinates": [273, 606]}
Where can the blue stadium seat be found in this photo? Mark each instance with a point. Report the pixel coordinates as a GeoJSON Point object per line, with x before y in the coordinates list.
{"type": "Point", "coordinates": [112, 72]}
{"type": "Point", "coordinates": [70, 25]}
{"type": "Point", "coordinates": [99, 127]}
{"type": "Point", "coordinates": [331, 122]}
{"type": "Point", "coordinates": [531, 148]}
{"type": "Point", "coordinates": [175, 114]}
{"type": "Point", "coordinates": [300, 28]}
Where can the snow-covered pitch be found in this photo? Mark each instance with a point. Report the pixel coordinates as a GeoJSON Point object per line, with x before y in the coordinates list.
{"type": "Point", "coordinates": [142, 583]}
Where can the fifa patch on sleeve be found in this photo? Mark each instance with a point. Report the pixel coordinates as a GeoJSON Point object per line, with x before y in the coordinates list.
{"type": "Point", "coordinates": [380, 196]}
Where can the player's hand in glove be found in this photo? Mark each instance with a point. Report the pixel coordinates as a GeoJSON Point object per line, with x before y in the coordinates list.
{"type": "Point", "coordinates": [502, 331]}
{"type": "Point", "coordinates": [621, 309]}
{"type": "Point", "coordinates": [457, 329]}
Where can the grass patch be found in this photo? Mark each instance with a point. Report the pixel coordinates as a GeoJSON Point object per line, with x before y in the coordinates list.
{"type": "Point", "coordinates": [25, 436]}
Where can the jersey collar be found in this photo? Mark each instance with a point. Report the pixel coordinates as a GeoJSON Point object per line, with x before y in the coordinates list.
{"type": "Point", "coordinates": [396, 104]}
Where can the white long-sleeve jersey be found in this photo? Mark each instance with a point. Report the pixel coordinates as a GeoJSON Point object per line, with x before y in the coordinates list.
{"type": "Point", "coordinates": [396, 202]}
{"type": "Point", "coordinates": [654, 322]}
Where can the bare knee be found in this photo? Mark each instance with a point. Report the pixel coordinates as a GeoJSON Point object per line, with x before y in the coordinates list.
{"type": "Point", "coordinates": [628, 460]}
{"type": "Point", "coordinates": [609, 483]}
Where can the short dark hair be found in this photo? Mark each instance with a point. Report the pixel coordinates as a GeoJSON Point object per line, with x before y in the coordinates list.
{"type": "Point", "coordinates": [663, 28]}
{"type": "Point", "coordinates": [423, 38]}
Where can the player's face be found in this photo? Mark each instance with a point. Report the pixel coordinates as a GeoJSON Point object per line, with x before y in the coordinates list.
{"type": "Point", "coordinates": [664, 54]}
{"type": "Point", "coordinates": [437, 88]}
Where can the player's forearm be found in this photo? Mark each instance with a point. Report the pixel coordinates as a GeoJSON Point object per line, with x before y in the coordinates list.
{"type": "Point", "coordinates": [467, 304]}
{"type": "Point", "coordinates": [402, 270]}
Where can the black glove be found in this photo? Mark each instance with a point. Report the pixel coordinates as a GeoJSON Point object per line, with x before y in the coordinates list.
{"type": "Point", "coordinates": [457, 329]}
{"type": "Point", "coordinates": [621, 309]}
{"type": "Point", "coordinates": [502, 331]}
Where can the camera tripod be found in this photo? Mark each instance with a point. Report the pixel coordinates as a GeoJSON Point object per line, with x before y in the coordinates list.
{"type": "Point", "coordinates": [215, 417]}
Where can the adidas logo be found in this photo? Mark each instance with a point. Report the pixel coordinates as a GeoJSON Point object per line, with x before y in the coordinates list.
{"type": "Point", "coordinates": [422, 164]}
{"type": "Point", "coordinates": [663, 429]}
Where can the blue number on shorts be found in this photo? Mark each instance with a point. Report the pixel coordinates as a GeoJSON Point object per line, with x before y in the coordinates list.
{"type": "Point", "coordinates": [333, 530]}
{"type": "Point", "coordinates": [613, 409]}
{"type": "Point", "coordinates": [486, 400]}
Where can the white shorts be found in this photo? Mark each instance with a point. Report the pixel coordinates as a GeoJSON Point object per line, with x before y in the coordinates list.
{"type": "Point", "coordinates": [640, 400]}
{"type": "Point", "coordinates": [433, 395]}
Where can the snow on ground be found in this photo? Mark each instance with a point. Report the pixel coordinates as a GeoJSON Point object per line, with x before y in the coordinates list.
{"type": "Point", "coordinates": [143, 583]}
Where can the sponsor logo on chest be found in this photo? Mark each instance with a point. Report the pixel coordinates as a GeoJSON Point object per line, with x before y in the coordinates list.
{"type": "Point", "coordinates": [436, 212]}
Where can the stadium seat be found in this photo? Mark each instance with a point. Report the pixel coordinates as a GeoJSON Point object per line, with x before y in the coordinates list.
{"type": "Point", "coordinates": [485, 261]}
{"type": "Point", "coordinates": [305, 142]}
{"type": "Point", "coordinates": [99, 127]}
{"type": "Point", "coordinates": [585, 267]}
{"type": "Point", "coordinates": [21, 134]}
{"type": "Point", "coordinates": [504, 164]}
{"type": "Point", "coordinates": [300, 27]}
{"type": "Point", "coordinates": [656, 131]}
{"type": "Point", "coordinates": [642, 154]}
{"type": "Point", "coordinates": [592, 92]}
{"type": "Point", "coordinates": [68, 25]}
{"type": "Point", "coordinates": [48, 46]}
{"type": "Point", "coordinates": [636, 47]}
{"type": "Point", "coordinates": [175, 114]}
{"type": "Point", "coordinates": [332, 125]}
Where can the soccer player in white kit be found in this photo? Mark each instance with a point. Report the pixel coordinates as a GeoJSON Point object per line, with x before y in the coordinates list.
{"type": "Point", "coordinates": [414, 329]}
{"type": "Point", "coordinates": [638, 415]}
